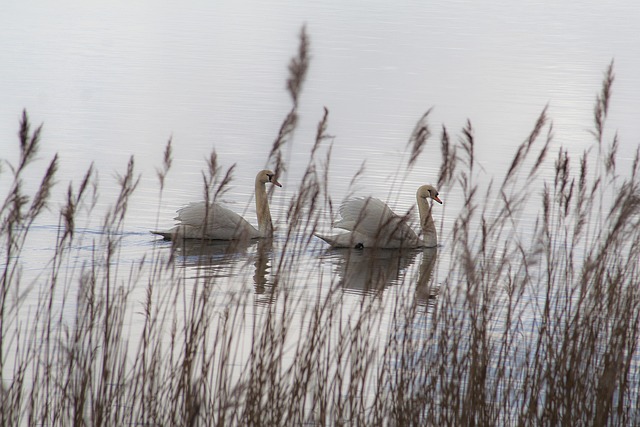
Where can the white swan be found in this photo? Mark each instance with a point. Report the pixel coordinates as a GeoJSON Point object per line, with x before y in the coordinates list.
{"type": "Point", "coordinates": [371, 223]}
{"type": "Point", "coordinates": [216, 222]}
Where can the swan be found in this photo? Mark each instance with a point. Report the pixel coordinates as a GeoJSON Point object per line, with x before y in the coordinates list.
{"type": "Point", "coordinates": [371, 223]}
{"type": "Point", "coordinates": [216, 222]}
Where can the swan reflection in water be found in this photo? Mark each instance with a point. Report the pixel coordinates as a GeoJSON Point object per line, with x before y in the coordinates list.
{"type": "Point", "coordinates": [262, 264]}
{"type": "Point", "coordinates": [363, 271]}
{"type": "Point", "coordinates": [371, 271]}
{"type": "Point", "coordinates": [223, 259]}
{"type": "Point", "coordinates": [426, 289]}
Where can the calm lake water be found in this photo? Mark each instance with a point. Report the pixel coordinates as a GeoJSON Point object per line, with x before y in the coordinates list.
{"type": "Point", "coordinates": [110, 82]}
{"type": "Point", "coordinates": [115, 80]}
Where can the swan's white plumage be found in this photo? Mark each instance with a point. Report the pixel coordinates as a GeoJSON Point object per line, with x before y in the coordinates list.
{"type": "Point", "coordinates": [198, 220]}
{"type": "Point", "coordinates": [376, 222]}
{"type": "Point", "coordinates": [222, 223]}
{"type": "Point", "coordinates": [371, 223]}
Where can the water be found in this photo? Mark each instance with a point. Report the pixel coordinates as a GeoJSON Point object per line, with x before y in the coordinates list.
{"type": "Point", "coordinates": [118, 80]}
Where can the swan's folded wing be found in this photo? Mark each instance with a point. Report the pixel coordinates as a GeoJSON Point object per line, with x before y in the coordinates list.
{"type": "Point", "coordinates": [373, 218]}
{"type": "Point", "coordinates": [222, 223]}
{"type": "Point", "coordinates": [365, 214]}
{"type": "Point", "coordinates": [193, 214]}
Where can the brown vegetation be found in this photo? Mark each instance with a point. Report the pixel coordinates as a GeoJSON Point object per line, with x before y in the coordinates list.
{"type": "Point", "coordinates": [525, 329]}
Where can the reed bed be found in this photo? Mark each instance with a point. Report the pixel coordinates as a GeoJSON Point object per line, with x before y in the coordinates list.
{"type": "Point", "coordinates": [534, 324]}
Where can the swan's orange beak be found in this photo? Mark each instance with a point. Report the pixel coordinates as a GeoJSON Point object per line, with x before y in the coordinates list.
{"type": "Point", "coordinates": [437, 199]}
{"type": "Point", "coordinates": [274, 181]}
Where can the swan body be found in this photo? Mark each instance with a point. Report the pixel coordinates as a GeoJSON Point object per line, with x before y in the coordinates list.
{"type": "Point", "coordinates": [199, 220]}
{"type": "Point", "coordinates": [371, 223]}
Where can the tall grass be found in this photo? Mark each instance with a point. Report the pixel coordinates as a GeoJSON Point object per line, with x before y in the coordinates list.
{"type": "Point", "coordinates": [534, 324]}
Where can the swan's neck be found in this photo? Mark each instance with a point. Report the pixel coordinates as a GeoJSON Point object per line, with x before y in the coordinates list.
{"type": "Point", "coordinates": [430, 236]}
{"type": "Point", "coordinates": [265, 226]}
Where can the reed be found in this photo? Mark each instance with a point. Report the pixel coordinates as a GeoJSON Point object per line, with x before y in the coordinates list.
{"type": "Point", "coordinates": [534, 324]}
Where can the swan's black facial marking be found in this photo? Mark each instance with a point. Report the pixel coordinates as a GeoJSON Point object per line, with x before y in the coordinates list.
{"type": "Point", "coordinates": [271, 177]}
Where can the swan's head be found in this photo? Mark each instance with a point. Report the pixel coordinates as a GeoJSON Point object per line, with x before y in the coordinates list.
{"type": "Point", "coordinates": [265, 176]}
{"type": "Point", "coordinates": [428, 192]}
